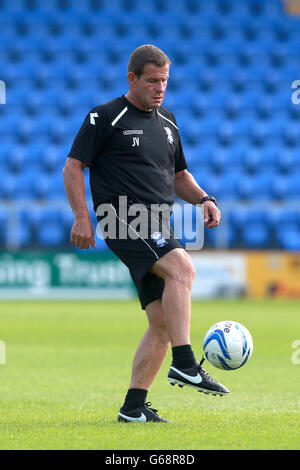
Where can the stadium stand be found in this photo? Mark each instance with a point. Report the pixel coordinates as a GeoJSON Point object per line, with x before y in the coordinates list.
{"type": "Point", "coordinates": [230, 89]}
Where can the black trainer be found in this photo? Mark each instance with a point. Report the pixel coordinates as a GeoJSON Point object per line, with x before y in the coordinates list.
{"type": "Point", "coordinates": [196, 377]}
{"type": "Point", "coordinates": [142, 414]}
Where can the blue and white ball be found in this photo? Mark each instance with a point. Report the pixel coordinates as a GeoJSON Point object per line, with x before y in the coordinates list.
{"type": "Point", "coordinates": [228, 345]}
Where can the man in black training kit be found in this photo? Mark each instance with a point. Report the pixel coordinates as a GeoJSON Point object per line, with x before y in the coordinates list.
{"type": "Point", "coordinates": [132, 147]}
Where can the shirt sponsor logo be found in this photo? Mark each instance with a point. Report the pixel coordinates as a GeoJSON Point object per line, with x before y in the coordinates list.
{"type": "Point", "coordinates": [133, 132]}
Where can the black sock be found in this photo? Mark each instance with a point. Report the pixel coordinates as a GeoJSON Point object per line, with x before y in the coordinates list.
{"type": "Point", "coordinates": [135, 397]}
{"type": "Point", "coordinates": [183, 356]}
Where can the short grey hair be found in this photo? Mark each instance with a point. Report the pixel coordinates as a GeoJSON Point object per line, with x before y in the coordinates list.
{"type": "Point", "coordinates": [146, 54]}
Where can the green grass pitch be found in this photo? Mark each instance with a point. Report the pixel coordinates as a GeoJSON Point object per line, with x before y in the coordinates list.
{"type": "Point", "coordinates": [68, 366]}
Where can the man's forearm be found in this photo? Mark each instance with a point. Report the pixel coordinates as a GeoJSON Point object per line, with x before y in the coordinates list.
{"type": "Point", "coordinates": [187, 188]}
{"type": "Point", "coordinates": [75, 190]}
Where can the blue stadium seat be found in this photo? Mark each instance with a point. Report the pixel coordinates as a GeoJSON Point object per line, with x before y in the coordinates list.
{"type": "Point", "coordinates": [288, 237]}
{"type": "Point", "coordinates": [228, 185]}
{"type": "Point", "coordinates": [24, 188]}
{"type": "Point", "coordinates": [50, 234]}
{"type": "Point", "coordinates": [275, 126]}
{"type": "Point", "coordinates": [48, 227]}
{"type": "Point", "coordinates": [220, 158]}
{"type": "Point", "coordinates": [258, 187]}
{"type": "Point", "coordinates": [279, 218]}
{"type": "Point", "coordinates": [226, 134]}
{"type": "Point", "coordinates": [24, 231]}
{"type": "Point", "coordinates": [293, 180]}
{"type": "Point", "coordinates": [259, 134]}
{"type": "Point", "coordinates": [18, 186]}
{"type": "Point", "coordinates": [291, 134]}
{"type": "Point", "coordinates": [288, 160]}
{"type": "Point", "coordinates": [255, 216]}
{"type": "Point", "coordinates": [3, 223]}
{"type": "Point", "coordinates": [202, 176]}
{"type": "Point", "coordinates": [255, 235]}
{"type": "Point", "coordinates": [67, 219]}
{"type": "Point", "coordinates": [200, 154]}
{"type": "Point", "coordinates": [266, 106]}
{"type": "Point", "coordinates": [53, 157]}
{"type": "Point", "coordinates": [50, 186]}
{"type": "Point", "coordinates": [262, 159]}
{"type": "Point", "coordinates": [8, 126]}
{"type": "Point", "coordinates": [233, 106]}
{"type": "Point", "coordinates": [280, 187]}
{"type": "Point", "coordinates": [191, 130]}
{"type": "Point", "coordinates": [5, 149]}
{"type": "Point", "coordinates": [7, 185]}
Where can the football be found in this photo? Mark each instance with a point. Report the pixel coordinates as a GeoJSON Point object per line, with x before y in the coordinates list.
{"type": "Point", "coordinates": [228, 345]}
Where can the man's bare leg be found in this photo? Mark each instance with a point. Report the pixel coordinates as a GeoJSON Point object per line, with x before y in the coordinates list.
{"type": "Point", "coordinates": [147, 361]}
{"type": "Point", "coordinates": [178, 272]}
{"type": "Point", "coordinates": [169, 317]}
{"type": "Point", "coordinates": [152, 349]}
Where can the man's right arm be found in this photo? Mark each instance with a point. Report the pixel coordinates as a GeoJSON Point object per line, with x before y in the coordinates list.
{"type": "Point", "coordinates": [82, 233]}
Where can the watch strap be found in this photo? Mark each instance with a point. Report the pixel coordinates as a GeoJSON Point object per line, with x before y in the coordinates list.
{"type": "Point", "coordinates": [209, 198]}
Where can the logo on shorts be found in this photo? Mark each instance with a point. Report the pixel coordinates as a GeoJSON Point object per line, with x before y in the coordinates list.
{"type": "Point", "coordinates": [169, 135]}
{"type": "Point", "coordinates": [158, 239]}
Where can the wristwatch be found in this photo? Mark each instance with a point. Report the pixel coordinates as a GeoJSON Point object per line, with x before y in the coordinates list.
{"type": "Point", "coordinates": [209, 198]}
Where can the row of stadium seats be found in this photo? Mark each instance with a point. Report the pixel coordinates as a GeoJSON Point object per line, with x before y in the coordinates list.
{"type": "Point", "coordinates": [208, 158]}
{"type": "Point", "coordinates": [62, 83]}
{"type": "Point", "coordinates": [246, 229]}
{"type": "Point", "coordinates": [61, 132]}
{"type": "Point", "coordinates": [191, 128]}
{"type": "Point", "coordinates": [205, 55]}
{"type": "Point", "coordinates": [233, 185]}
{"type": "Point", "coordinates": [202, 97]}
{"type": "Point", "coordinates": [215, 7]}
{"type": "Point", "coordinates": [200, 113]}
{"type": "Point", "coordinates": [244, 159]}
{"type": "Point", "coordinates": [221, 34]}
{"type": "Point", "coordinates": [224, 33]}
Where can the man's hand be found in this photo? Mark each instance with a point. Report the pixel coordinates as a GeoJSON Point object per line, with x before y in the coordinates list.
{"type": "Point", "coordinates": [82, 233]}
{"type": "Point", "coordinates": [211, 214]}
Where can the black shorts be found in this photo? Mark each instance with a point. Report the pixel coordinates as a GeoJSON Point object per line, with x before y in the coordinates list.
{"type": "Point", "coordinates": [141, 250]}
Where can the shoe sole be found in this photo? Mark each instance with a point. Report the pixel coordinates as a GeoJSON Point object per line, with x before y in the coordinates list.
{"type": "Point", "coordinates": [123, 420]}
{"type": "Point", "coordinates": [199, 389]}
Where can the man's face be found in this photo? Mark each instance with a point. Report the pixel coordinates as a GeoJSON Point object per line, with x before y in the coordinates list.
{"type": "Point", "coordinates": [149, 89]}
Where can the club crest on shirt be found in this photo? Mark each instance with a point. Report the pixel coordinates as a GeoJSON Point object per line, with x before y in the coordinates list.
{"type": "Point", "coordinates": [169, 135]}
{"type": "Point", "coordinates": [158, 239]}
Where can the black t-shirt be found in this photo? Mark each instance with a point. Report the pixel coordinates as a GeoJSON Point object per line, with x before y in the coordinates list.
{"type": "Point", "coordinates": [130, 152]}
